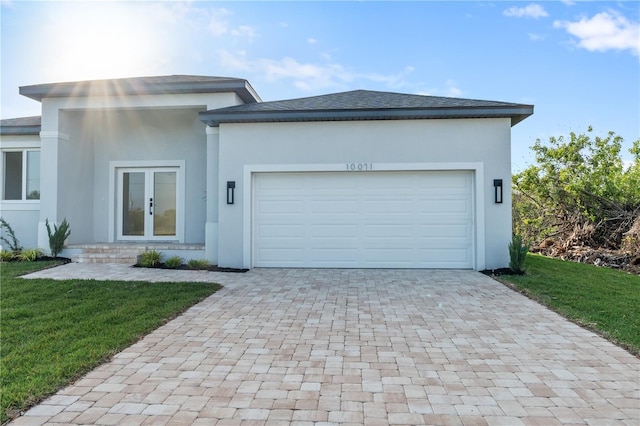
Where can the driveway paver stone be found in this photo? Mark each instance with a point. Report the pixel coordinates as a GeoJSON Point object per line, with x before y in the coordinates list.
{"type": "Point", "coordinates": [373, 347]}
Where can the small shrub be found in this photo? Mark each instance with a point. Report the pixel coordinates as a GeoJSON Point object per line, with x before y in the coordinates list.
{"type": "Point", "coordinates": [6, 255]}
{"type": "Point", "coordinates": [58, 236]}
{"type": "Point", "coordinates": [517, 254]}
{"type": "Point", "coordinates": [12, 242]}
{"type": "Point", "coordinates": [173, 262]}
{"type": "Point", "coordinates": [198, 263]}
{"type": "Point", "coordinates": [150, 259]}
{"type": "Point", "coordinates": [29, 255]}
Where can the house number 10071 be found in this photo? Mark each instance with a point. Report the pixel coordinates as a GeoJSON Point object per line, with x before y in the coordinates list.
{"type": "Point", "coordinates": [359, 167]}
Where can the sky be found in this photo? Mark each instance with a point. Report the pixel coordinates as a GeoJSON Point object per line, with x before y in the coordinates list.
{"type": "Point", "coordinates": [577, 62]}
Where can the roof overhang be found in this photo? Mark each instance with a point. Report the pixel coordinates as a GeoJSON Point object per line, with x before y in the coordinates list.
{"type": "Point", "coordinates": [142, 86]}
{"type": "Point", "coordinates": [214, 118]}
{"type": "Point", "coordinates": [20, 126]}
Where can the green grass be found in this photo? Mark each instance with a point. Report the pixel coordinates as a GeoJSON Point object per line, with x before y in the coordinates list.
{"type": "Point", "coordinates": [601, 299]}
{"type": "Point", "coordinates": [53, 332]}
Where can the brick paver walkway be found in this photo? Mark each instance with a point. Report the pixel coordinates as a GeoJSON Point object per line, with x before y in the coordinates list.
{"type": "Point", "coordinates": [302, 347]}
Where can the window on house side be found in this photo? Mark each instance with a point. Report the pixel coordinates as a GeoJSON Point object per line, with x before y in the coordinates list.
{"type": "Point", "coordinates": [21, 175]}
{"type": "Point", "coordinates": [33, 175]}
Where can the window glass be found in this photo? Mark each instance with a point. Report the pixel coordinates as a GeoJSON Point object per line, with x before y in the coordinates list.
{"type": "Point", "coordinates": [33, 175]}
{"type": "Point", "coordinates": [12, 176]}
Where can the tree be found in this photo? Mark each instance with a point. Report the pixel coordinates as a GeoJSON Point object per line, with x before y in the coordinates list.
{"type": "Point", "coordinates": [579, 192]}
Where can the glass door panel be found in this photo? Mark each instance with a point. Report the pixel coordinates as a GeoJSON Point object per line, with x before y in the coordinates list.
{"type": "Point", "coordinates": [147, 204]}
{"type": "Point", "coordinates": [133, 203]}
{"type": "Point", "coordinates": [164, 203]}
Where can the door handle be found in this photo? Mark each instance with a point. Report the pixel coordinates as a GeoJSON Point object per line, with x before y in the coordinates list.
{"type": "Point", "coordinates": [150, 206]}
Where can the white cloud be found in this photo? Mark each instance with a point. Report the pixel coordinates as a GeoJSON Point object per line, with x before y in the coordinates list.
{"type": "Point", "coordinates": [218, 22]}
{"type": "Point", "coordinates": [568, 2]}
{"type": "Point", "coordinates": [450, 89]}
{"type": "Point", "coordinates": [308, 77]}
{"type": "Point", "coordinates": [244, 31]}
{"type": "Point", "coordinates": [453, 89]}
{"type": "Point", "coordinates": [312, 41]}
{"type": "Point", "coordinates": [531, 11]}
{"type": "Point", "coordinates": [535, 37]}
{"type": "Point", "coordinates": [604, 31]}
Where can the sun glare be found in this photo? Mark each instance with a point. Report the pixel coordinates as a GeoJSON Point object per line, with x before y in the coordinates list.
{"type": "Point", "coordinates": [99, 40]}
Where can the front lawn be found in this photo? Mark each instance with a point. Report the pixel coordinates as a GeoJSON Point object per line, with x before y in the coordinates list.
{"type": "Point", "coordinates": [53, 332]}
{"type": "Point", "coordinates": [602, 299]}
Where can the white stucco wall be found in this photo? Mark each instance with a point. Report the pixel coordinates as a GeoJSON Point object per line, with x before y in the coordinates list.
{"type": "Point", "coordinates": [486, 141]}
{"type": "Point", "coordinates": [22, 216]}
{"type": "Point", "coordinates": [84, 136]}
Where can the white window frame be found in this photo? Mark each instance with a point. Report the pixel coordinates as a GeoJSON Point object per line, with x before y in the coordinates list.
{"type": "Point", "coordinates": [179, 165]}
{"type": "Point", "coordinates": [23, 200]}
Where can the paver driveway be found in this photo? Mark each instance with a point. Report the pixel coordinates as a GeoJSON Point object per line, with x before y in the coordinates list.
{"type": "Point", "coordinates": [307, 346]}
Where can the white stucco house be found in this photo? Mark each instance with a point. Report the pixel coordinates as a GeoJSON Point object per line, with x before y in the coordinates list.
{"type": "Point", "coordinates": [355, 179]}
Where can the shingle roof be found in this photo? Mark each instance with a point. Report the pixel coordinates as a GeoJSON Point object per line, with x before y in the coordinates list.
{"type": "Point", "coordinates": [20, 126]}
{"type": "Point", "coordinates": [159, 85]}
{"type": "Point", "coordinates": [366, 105]}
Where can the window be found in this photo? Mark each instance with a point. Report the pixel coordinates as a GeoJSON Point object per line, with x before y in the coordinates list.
{"type": "Point", "coordinates": [21, 177]}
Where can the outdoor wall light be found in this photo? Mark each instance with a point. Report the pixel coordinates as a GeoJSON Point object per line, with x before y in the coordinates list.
{"type": "Point", "coordinates": [497, 190]}
{"type": "Point", "coordinates": [231, 189]}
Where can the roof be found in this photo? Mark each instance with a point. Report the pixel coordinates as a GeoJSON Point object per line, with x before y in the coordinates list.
{"type": "Point", "coordinates": [160, 85]}
{"type": "Point", "coordinates": [366, 105]}
{"type": "Point", "coordinates": [20, 126]}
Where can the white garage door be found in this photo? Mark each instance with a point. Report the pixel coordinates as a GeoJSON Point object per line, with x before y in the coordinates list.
{"type": "Point", "coordinates": [363, 219]}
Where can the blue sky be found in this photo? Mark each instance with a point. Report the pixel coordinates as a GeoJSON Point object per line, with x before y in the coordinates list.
{"type": "Point", "coordinates": [577, 62]}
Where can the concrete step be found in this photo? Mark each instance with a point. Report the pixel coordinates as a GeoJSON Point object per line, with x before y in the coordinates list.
{"type": "Point", "coordinates": [129, 259]}
{"type": "Point", "coordinates": [129, 253]}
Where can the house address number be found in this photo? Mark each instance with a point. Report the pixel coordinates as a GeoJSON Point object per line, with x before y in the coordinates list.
{"type": "Point", "coordinates": [359, 167]}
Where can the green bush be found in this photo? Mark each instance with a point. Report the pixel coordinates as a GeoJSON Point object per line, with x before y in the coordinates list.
{"type": "Point", "coordinates": [58, 236]}
{"type": "Point", "coordinates": [150, 259]}
{"type": "Point", "coordinates": [6, 255]}
{"type": "Point", "coordinates": [173, 262]}
{"type": "Point", "coordinates": [198, 264]}
{"type": "Point", "coordinates": [29, 255]}
{"type": "Point", "coordinates": [517, 254]}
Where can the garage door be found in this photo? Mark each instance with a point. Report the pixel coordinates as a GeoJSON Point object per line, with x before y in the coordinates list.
{"type": "Point", "coordinates": [363, 219]}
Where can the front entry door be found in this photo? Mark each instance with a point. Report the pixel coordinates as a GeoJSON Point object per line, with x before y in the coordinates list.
{"type": "Point", "coordinates": [147, 203]}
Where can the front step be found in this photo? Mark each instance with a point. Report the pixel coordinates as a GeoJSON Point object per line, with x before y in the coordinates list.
{"type": "Point", "coordinates": [129, 253]}
{"type": "Point", "coordinates": [110, 253]}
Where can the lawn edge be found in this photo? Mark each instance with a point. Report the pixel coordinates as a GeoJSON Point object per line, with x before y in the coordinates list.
{"type": "Point", "coordinates": [16, 412]}
{"type": "Point", "coordinates": [627, 347]}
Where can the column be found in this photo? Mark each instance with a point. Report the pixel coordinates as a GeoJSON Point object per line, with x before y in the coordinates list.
{"type": "Point", "coordinates": [211, 227]}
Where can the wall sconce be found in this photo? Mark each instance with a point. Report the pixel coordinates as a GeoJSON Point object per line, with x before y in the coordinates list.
{"type": "Point", "coordinates": [497, 191]}
{"type": "Point", "coordinates": [231, 189]}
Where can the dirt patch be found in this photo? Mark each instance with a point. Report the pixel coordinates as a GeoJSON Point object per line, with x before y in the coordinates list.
{"type": "Point", "coordinates": [500, 271]}
{"type": "Point", "coordinates": [614, 259]}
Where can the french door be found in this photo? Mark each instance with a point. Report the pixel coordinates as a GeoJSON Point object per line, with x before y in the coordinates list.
{"type": "Point", "coordinates": [147, 203]}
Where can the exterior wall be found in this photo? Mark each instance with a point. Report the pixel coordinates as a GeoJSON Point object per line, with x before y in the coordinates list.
{"type": "Point", "coordinates": [84, 137]}
{"type": "Point", "coordinates": [484, 141]}
{"type": "Point", "coordinates": [22, 216]}
{"type": "Point", "coordinates": [147, 136]}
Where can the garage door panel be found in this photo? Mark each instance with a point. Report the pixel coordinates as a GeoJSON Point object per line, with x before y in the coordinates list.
{"type": "Point", "coordinates": [442, 254]}
{"type": "Point", "coordinates": [280, 231]}
{"type": "Point", "coordinates": [342, 230]}
{"type": "Point", "coordinates": [281, 206]}
{"type": "Point", "coordinates": [363, 219]}
{"type": "Point", "coordinates": [445, 231]}
{"type": "Point", "coordinates": [387, 206]}
{"type": "Point", "coordinates": [382, 230]}
{"type": "Point", "coordinates": [329, 205]}
{"type": "Point", "coordinates": [280, 254]}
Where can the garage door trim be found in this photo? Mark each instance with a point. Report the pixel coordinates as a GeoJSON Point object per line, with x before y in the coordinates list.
{"type": "Point", "coordinates": [477, 187]}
